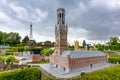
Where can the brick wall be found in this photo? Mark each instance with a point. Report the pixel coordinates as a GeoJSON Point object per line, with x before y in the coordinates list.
{"type": "Point", "coordinates": [67, 62]}
{"type": "Point", "coordinates": [37, 58]}
{"type": "Point", "coordinates": [79, 62]}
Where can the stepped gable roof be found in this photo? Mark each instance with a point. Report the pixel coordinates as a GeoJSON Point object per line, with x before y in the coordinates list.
{"type": "Point", "coordinates": [82, 54]}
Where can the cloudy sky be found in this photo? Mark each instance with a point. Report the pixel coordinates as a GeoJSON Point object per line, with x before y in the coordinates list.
{"type": "Point", "coordinates": [86, 19]}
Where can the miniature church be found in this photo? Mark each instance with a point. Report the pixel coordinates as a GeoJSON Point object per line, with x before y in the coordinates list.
{"type": "Point", "coordinates": [65, 60]}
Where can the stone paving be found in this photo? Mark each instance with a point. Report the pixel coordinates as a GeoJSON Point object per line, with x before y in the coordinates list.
{"type": "Point", "coordinates": [75, 72]}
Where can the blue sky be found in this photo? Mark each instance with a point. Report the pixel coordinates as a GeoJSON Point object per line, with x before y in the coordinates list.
{"type": "Point", "coordinates": [86, 19]}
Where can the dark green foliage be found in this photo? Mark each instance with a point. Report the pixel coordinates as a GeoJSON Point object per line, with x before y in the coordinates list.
{"type": "Point", "coordinates": [9, 53]}
{"type": "Point", "coordinates": [84, 43]}
{"type": "Point", "coordinates": [25, 40]}
{"type": "Point", "coordinates": [100, 47]}
{"type": "Point", "coordinates": [2, 59]}
{"type": "Point", "coordinates": [27, 49]}
{"type": "Point", "coordinates": [36, 50]}
{"type": "Point", "coordinates": [32, 73]}
{"type": "Point", "coordinates": [20, 49]}
{"type": "Point", "coordinates": [13, 38]}
{"type": "Point", "coordinates": [47, 51]}
{"type": "Point", "coordinates": [10, 59]}
{"type": "Point", "coordinates": [71, 47]}
{"type": "Point", "coordinates": [47, 41]}
{"type": "Point", "coordinates": [114, 59]}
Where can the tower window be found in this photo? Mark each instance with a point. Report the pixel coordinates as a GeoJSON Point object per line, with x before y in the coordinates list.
{"type": "Point", "coordinates": [60, 15]}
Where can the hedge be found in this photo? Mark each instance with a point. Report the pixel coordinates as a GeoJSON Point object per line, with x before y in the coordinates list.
{"type": "Point", "coordinates": [111, 73]}
{"type": "Point", "coordinates": [28, 73]}
{"type": "Point", "coordinates": [36, 50]}
{"type": "Point", "coordinates": [114, 59]}
{"type": "Point", "coordinates": [9, 53]}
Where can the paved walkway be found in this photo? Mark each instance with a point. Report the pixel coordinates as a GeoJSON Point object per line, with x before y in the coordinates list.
{"type": "Point", "coordinates": [75, 72]}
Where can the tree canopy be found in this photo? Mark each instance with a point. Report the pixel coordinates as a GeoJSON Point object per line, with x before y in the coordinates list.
{"type": "Point", "coordinates": [9, 38]}
{"type": "Point", "coordinates": [25, 40]}
{"type": "Point", "coordinates": [84, 43]}
{"type": "Point", "coordinates": [47, 51]}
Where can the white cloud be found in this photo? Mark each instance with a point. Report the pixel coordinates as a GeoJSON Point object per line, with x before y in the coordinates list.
{"type": "Point", "coordinates": [82, 7]}
{"type": "Point", "coordinates": [21, 12]}
{"type": "Point", "coordinates": [38, 15]}
{"type": "Point", "coordinates": [3, 2]}
{"type": "Point", "coordinates": [8, 24]}
{"type": "Point", "coordinates": [3, 16]}
{"type": "Point", "coordinates": [95, 16]}
{"type": "Point", "coordinates": [110, 4]}
{"type": "Point", "coordinates": [114, 4]}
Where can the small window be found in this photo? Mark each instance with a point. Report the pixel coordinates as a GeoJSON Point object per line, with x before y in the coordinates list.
{"type": "Point", "coordinates": [64, 69]}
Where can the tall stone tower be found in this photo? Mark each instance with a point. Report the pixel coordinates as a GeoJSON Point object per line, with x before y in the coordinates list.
{"type": "Point", "coordinates": [31, 35]}
{"type": "Point", "coordinates": [61, 31]}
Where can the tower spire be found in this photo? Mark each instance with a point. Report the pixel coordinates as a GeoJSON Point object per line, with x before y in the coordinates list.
{"type": "Point", "coordinates": [31, 34]}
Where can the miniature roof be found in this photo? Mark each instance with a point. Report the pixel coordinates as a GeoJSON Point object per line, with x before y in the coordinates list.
{"type": "Point", "coordinates": [82, 54]}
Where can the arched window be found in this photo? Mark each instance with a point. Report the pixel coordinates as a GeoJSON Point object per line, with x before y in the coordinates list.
{"type": "Point", "coordinates": [60, 15]}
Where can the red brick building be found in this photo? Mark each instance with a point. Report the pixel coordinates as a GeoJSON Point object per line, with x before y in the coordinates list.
{"type": "Point", "coordinates": [68, 60]}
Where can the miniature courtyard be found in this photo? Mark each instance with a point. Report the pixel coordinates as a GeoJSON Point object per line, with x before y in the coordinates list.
{"type": "Point", "coordinates": [75, 72]}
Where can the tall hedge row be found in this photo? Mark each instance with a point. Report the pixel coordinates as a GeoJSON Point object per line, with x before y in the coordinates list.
{"type": "Point", "coordinates": [31, 73]}
{"type": "Point", "coordinates": [114, 59]}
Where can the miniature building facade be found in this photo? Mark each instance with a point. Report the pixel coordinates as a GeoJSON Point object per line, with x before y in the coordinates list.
{"type": "Point", "coordinates": [67, 60]}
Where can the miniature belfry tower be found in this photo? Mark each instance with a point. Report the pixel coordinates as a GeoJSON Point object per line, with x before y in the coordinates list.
{"type": "Point", "coordinates": [76, 45]}
{"type": "Point", "coordinates": [60, 33]}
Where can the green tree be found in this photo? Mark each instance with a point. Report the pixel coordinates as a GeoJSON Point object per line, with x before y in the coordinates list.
{"type": "Point", "coordinates": [47, 41]}
{"type": "Point", "coordinates": [10, 59]}
{"type": "Point", "coordinates": [100, 47]}
{"type": "Point", "coordinates": [114, 40]}
{"type": "Point", "coordinates": [5, 40]}
{"type": "Point", "coordinates": [84, 44]}
{"type": "Point", "coordinates": [14, 38]}
{"type": "Point", "coordinates": [25, 40]}
{"type": "Point", "coordinates": [47, 51]}
{"type": "Point", "coordinates": [1, 37]}
{"type": "Point", "coordinates": [114, 43]}
{"type": "Point", "coordinates": [71, 47]}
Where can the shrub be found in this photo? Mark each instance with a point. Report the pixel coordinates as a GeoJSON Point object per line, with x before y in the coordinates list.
{"type": "Point", "coordinates": [36, 50]}
{"type": "Point", "coordinates": [27, 49]}
{"type": "Point", "coordinates": [31, 73]}
{"type": "Point", "coordinates": [47, 51]}
{"type": "Point", "coordinates": [20, 49]}
{"type": "Point", "coordinates": [114, 59]}
{"type": "Point", "coordinates": [10, 58]}
{"type": "Point", "coordinates": [2, 59]}
{"type": "Point", "coordinates": [14, 49]}
{"type": "Point", "coordinates": [9, 53]}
